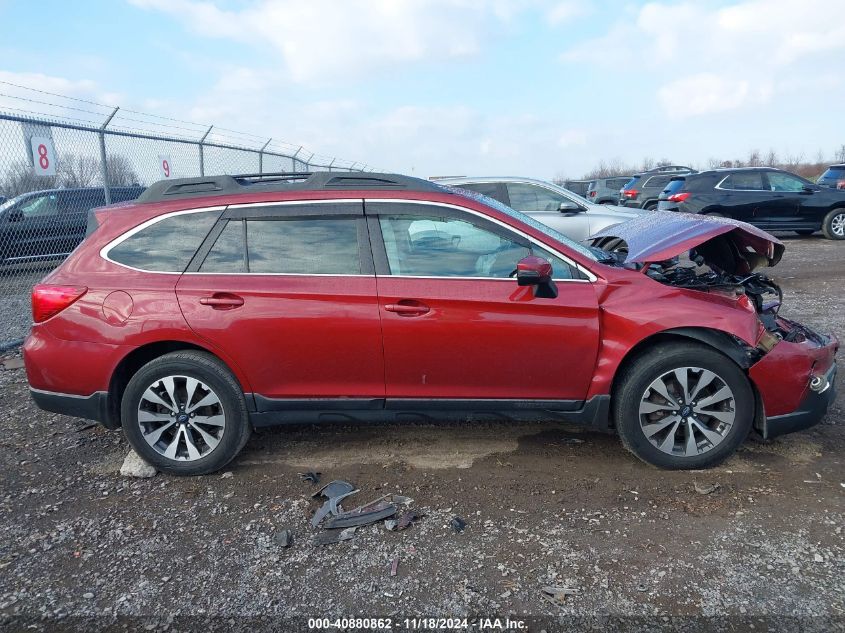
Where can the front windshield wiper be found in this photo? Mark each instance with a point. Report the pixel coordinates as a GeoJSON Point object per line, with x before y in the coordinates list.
{"type": "Point", "coordinates": [604, 257]}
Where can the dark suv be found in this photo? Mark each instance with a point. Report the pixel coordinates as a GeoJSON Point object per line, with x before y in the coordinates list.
{"type": "Point", "coordinates": [642, 190]}
{"type": "Point", "coordinates": [772, 199]}
{"type": "Point", "coordinates": [49, 224]}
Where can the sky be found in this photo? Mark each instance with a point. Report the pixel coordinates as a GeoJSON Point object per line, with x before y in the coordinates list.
{"type": "Point", "coordinates": [457, 87]}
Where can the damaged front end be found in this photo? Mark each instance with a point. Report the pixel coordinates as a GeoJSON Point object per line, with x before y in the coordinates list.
{"type": "Point", "coordinates": [791, 366]}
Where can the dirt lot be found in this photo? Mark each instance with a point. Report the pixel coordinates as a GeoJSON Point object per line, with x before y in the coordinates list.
{"type": "Point", "coordinates": [544, 504]}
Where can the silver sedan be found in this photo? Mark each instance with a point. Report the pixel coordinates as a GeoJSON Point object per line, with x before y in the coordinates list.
{"type": "Point", "coordinates": [559, 208]}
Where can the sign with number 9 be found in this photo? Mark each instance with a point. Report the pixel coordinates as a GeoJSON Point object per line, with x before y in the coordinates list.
{"type": "Point", "coordinates": [165, 166]}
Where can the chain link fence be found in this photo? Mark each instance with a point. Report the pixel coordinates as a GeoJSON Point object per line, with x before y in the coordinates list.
{"type": "Point", "coordinates": [57, 165]}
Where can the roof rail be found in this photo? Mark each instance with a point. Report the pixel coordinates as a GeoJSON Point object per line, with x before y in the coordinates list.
{"type": "Point", "coordinates": [668, 169]}
{"type": "Point", "coordinates": [179, 188]}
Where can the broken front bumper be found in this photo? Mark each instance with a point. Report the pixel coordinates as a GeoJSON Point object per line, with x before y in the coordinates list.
{"type": "Point", "coordinates": [810, 412]}
{"type": "Point", "coordinates": [796, 382]}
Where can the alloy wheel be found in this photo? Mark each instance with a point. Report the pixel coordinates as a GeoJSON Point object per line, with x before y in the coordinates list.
{"type": "Point", "coordinates": [181, 418]}
{"type": "Point", "coordinates": [837, 225]}
{"type": "Point", "coordinates": [687, 411]}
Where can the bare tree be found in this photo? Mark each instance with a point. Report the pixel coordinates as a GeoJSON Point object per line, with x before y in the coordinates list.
{"type": "Point", "coordinates": [71, 171]}
{"type": "Point", "coordinates": [840, 154]}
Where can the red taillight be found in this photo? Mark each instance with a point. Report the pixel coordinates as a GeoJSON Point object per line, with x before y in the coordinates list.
{"type": "Point", "coordinates": [592, 194]}
{"type": "Point", "coordinates": [630, 193]}
{"type": "Point", "coordinates": [840, 184]}
{"type": "Point", "coordinates": [48, 301]}
{"type": "Point", "coordinates": [679, 197]}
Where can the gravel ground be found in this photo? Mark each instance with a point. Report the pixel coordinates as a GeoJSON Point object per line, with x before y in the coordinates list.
{"type": "Point", "coordinates": [544, 504]}
{"type": "Point", "coordinates": [15, 286]}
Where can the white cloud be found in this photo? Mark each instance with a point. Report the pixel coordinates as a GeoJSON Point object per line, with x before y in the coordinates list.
{"type": "Point", "coordinates": [324, 39]}
{"type": "Point", "coordinates": [567, 11]}
{"type": "Point", "coordinates": [32, 96]}
{"type": "Point", "coordinates": [572, 138]}
{"type": "Point", "coordinates": [728, 57]}
{"type": "Point", "coordinates": [708, 93]}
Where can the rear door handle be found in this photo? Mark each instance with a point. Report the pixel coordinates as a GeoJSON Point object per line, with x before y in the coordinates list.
{"type": "Point", "coordinates": [407, 307]}
{"type": "Point", "coordinates": [222, 301]}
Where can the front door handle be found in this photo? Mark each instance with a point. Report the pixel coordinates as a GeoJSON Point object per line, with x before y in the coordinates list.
{"type": "Point", "coordinates": [222, 301]}
{"type": "Point", "coordinates": [407, 307]}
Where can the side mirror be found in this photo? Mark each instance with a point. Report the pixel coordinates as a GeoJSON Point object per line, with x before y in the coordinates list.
{"type": "Point", "coordinates": [809, 189]}
{"type": "Point", "coordinates": [570, 207]}
{"type": "Point", "coordinates": [537, 272]}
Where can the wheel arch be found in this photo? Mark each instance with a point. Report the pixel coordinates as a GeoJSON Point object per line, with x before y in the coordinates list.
{"type": "Point", "coordinates": [730, 346]}
{"type": "Point", "coordinates": [140, 356]}
{"type": "Point", "coordinates": [727, 344]}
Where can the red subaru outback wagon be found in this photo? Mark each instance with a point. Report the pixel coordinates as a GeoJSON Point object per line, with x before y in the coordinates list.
{"type": "Point", "coordinates": [214, 305]}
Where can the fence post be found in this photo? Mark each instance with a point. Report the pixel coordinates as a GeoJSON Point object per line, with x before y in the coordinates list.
{"type": "Point", "coordinates": [202, 154]}
{"type": "Point", "coordinates": [332, 163]}
{"type": "Point", "coordinates": [261, 156]}
{"type": "Point", "coordinates": [293, 158]}
{"type": "Point", "coordinates": [103, 166]}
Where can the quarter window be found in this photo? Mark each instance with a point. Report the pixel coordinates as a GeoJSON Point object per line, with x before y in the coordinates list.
{"type": "Point", "coordinates": [442, 246]}
{"type": "Point", "coordinates": [167, 245]}
{"type": "Point", "coordinates": [312, 246]}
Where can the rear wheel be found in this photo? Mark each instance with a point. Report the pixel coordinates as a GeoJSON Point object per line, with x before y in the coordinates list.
{"type": "Point", "coordinates": [833, 225]}
{"type": "Point", "coordinates": [650, 206]}
{"type": "Point", "coordinates": [185, 414]}
{"type": "Point", "coordinates": [683, 406]}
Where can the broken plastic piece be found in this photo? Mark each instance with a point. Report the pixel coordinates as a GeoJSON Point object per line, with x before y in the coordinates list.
{"type": "Point", "coordinates": [458, 524]}
{"type": "Point", "coordinates": [311, 476]}
{"type": "Point", "coordinates": [394, 568]}
{"type": "Point", "coordinates": [334, 489]}
{"type": "Point", "coordinates": [376, 513]}
{"type": "Point", "coordinates": [334, 536]}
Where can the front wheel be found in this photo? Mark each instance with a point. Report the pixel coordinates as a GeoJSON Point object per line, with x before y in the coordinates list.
{"type": "Point", "coordinates": [833, 225]}
{"type": "Point", "coordinates": [185, 414]}
{"type": "Point", "coordinates": [683, 406]}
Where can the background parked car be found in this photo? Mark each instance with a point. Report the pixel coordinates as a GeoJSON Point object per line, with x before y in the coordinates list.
{"type": "Point", "coordinates": [606, 190]}
{"type": "Point", "coordinates": [642, 190]}
{"type": "Point", "coordinates": [770, 198]}
{"type": "Point", "coordinates": [833, 177]}
{"type": "Point", "coordinates": [49, 224]}
{"type": "Point", "coordinates": [577, 186]}
{"type": "Point", "coordinates": [548, 203]}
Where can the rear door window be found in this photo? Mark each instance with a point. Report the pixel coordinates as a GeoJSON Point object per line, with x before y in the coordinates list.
{"type": "Point", "coordinates": [165, 245]}
{"type": "Point", "coordinates": [744, 181]}
{"type": "Point", "coordinates": [529, 198]}
{"type": "Point", "coordinates": [489, 189]}
{"type": "Point", "coordinates": [305, 246]}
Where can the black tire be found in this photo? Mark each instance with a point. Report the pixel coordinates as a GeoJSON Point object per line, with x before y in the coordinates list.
{"type": "Point", "coordinates": [833, 225]}
{"type": "Point", "coordinates": [805, 231]}
{"type": "Point", "coordinates": [216, 376]}
{"type": "Point", "coordinates": [650, 206]}
{"type": "Point", "coordinates": [634, 383]}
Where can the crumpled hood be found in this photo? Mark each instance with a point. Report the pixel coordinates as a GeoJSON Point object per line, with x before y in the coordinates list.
{"type": "Point", "coordinates": [730, 245]}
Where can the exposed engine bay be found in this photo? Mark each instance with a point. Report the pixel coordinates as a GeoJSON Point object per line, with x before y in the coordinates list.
{"type": "Point", "coordinates": [763, 293]}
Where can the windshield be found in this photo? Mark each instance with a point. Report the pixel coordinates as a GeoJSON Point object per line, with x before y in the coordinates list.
{"type": "Point", "coordinates": [526, 219]}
